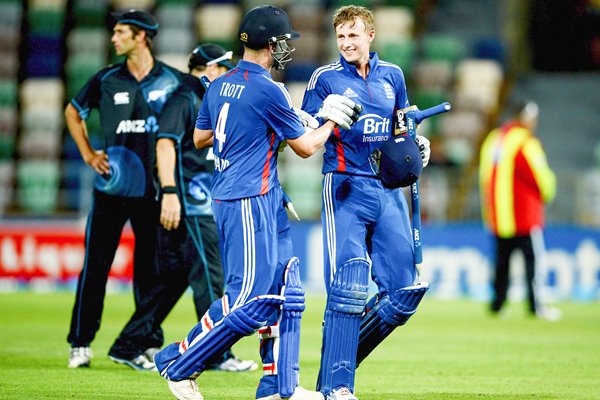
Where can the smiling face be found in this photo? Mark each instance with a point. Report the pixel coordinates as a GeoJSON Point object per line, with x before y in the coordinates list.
{"type": "Point", "coordinates": [354, 41]}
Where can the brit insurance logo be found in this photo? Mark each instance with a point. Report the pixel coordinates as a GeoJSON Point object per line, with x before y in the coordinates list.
{"type": "Point", "coordinates": [375, 127]}
{"type": "Point", "coordinates": [149, 125]}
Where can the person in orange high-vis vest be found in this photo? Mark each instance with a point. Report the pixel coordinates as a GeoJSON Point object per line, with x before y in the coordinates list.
{"type": "Point", "coordinates": [515, 183]}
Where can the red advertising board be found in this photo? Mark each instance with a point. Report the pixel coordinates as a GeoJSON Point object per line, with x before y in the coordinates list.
{"type": "Point", "coordinates": [55, 251]}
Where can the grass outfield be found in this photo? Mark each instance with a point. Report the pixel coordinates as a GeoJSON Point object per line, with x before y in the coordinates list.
{"type": "Point", "coordinates": [449, 350]}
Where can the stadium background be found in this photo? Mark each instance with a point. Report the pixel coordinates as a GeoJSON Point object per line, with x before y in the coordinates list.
{"type": "Point", "coordinates": [478, 54]}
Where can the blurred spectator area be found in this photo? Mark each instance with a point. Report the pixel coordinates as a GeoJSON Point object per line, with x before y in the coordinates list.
{"type": "Point", "coordinates": [473, 53]}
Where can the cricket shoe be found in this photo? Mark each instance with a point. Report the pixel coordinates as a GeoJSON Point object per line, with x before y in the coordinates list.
{"type": "Point", "coordinates": [139, 363]}
{"type": "Point", "coordinates": [186, 389]}
{"type": "Point", "coordinates": [80, 357]}
{"type": "Point", "coordinates": [234, 364]}
{"type": "Point", "coordinates": [299, 394]}
{"type": "Point", "coordinates": [341, 394]}
{"type": "Point", "coordinates": [151, 352]}
{"type": "Point", "coordinates": [547, 313]}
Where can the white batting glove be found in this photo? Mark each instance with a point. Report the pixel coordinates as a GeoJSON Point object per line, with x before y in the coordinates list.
{"type": "Point", "coordinates": [308, 120]}
{"type": "Point", "coordinates": [425, 148]}
{"type": "Point", "coordinates": [340, 109]}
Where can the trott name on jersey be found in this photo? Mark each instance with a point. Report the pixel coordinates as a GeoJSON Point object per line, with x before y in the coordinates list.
{"type": "Point", "coordinates": [231, 90]}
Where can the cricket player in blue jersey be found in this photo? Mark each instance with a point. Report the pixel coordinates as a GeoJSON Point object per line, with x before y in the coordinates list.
{"type": "Point", "coordinates": [245, 115]}
{"type": "Point", "coordinates": [188, 244]}
{"type": "Point", "coordinates": [366, 227]}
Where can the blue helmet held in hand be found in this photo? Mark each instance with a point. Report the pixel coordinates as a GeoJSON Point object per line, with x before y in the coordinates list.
{"type": "Point", "coordinates": [398, 162]}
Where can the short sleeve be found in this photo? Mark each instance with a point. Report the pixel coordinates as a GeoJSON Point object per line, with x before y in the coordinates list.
{"type": "Point", "coordinates": [280, 115]}
{"type": "Point", "coordinates": [314, 96]}
{"type": "Point", "coordinates": [176, 116]}
{"type": "Point", "coordinates": [88, 97]}
{"type": "Point", "coordinates": [203, 120]}
{"type": "Point", "coordinates": [401, 93]}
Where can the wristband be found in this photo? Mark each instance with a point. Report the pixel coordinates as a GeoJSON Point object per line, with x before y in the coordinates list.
{"type": "Point", "coordinates": [169, 189]}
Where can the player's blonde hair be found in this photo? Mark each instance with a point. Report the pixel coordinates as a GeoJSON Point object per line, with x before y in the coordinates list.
{"type": "Point", "coordinates": [347, 14]}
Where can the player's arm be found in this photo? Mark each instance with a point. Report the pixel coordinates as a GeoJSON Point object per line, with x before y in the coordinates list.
{"type": "Point", "coordinates": [542, 173]}
{"type": "Point", "coordinates": [97, 159]}
{"type": "Point", "coordinates": [307, 144]}
{"type": "Point", "coordinates": [203, 138]}
{"type": "Point", "coordinates": [203, 134]}
{"type": "Point", "coordinates": [336, 111]}
{"type": "Point", "coordinates": [170, 209]}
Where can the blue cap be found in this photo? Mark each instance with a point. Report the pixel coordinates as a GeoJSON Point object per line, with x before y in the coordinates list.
{"type": "Point", "coordinates": [139, 18]}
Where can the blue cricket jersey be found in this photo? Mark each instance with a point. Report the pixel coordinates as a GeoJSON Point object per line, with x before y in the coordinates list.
{"type": "Point", "coordinates": [249, 114]}
{"type": "Point", "coordinates": [381, 94]}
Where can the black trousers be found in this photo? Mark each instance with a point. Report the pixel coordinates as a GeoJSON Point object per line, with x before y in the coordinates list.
{"type": "Point", "coordinates": [105, 223]}
{"type": "Point", "coordinates": [504, 249]}
{"type": "Point", "coordinates": [187, 256]}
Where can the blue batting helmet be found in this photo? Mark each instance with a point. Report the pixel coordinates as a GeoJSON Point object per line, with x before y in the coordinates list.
{"type": "Point", "coordinates": [264, 23]}
{"type": "Point", "coordinates": [400, 163]}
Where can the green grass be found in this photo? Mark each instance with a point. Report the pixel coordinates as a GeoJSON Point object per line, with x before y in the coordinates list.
{"type": "Point", "coordinates": [449, 350]}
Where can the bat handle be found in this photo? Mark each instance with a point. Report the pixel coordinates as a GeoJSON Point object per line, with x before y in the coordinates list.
{"type": "Point", "coordinates": [430, 112]}
{"type": "Point", "coordinates": [416, 222]}
{"type": "Point", "coordinates": [205, 82]}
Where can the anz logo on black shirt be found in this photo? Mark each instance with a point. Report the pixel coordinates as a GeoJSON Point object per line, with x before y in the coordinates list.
{"type": "Point", "coordinates": [149, 125]}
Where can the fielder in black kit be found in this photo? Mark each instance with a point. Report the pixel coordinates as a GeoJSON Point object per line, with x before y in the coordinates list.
{"type": "Point", "coordinates": [129, 98]}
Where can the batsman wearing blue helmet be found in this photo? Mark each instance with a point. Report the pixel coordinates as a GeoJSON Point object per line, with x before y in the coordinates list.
{"type": "Point", "coordinates": [245, 115]}
{"type": "Point", "coordinates": [366, 225]}
{"type": "Point", "coordinates": [188, 244]}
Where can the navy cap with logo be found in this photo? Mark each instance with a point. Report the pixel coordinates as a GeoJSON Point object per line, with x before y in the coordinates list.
{"type": "Point", "coordinates": [400, 162]}
{"type": "Point", "coordinates": [139, 18]}
{"type": "Point", "coordinates": [208, 54]}
{"type": "Point", "coordinates": [263, 23]}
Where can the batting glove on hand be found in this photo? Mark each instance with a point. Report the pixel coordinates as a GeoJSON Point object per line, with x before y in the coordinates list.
{"type": "Point", "coordinates": [308, 120]}
{"type": "Point", "coordinates": [341, 110]}
{"type": "Point", "coordinates": [287, 203]}
{"type": "Point", "coordinates": [425, 148]}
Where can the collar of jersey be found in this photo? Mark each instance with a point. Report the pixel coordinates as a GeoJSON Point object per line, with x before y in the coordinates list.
{"type": "Point", "coordinates": [155, 69]}
{"type": "Point", "coordinates": [373, 62]}
{"type": "Point", "coordinates": [253, 67]}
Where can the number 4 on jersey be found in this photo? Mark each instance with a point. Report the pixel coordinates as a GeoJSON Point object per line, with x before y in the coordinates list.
{"type": "Point", "coordinates": [220, 128]}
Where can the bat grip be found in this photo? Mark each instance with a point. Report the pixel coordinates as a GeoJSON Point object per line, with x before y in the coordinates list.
{"type": "Point", "coordinates": [430, 112]}
{"type": "Point", "coordinates": [205, 82]}
{"type": "Point", "coordinates": [416, 222]}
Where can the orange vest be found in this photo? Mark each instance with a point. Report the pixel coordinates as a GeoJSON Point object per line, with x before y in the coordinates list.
{"type": "Point", "coordinates": [514, 181]}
